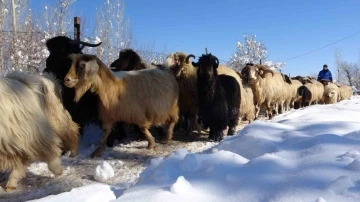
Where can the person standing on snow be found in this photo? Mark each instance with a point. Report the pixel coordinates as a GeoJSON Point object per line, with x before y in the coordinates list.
{"type": "Point", "coordinates": [325, 74]}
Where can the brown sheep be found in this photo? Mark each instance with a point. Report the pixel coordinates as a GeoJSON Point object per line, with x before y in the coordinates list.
{"type": "Point", "coordinates": [27, 135]}
{"type": "Point", "coordinates": [144, 97]}
{"type": "Point", "coordinates": [185, 74]}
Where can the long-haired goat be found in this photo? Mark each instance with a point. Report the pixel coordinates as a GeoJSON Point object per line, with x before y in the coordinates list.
{"type": "Point", "coordinates": [26, 104]}
{"type": "Point", "coordinates": [58, 63]}
{"type": "Point", "coordinates": [144, 97]}
{"type": "Point", "coordinates": [185, 73]}
{"type": "Point", "coordinates": [128, 60]}
{"type": "Point", "coordinates": [218, 97]}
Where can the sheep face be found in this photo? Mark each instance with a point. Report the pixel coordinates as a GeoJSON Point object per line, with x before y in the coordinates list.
{"type": "Point", "coordinates": [83, 68]}
{"type": "Point", "coordinates": [331, 94]}
{"type": "Point", "coordinates": [60, 47]}
{"type": "Point", "coordinates": [128, 60]}
{"type": "Point", "coordinates": [207, 66]}
{"type": "Point", "coordinates": [251, 73]}
{"type": "Point", "coordinates": [171, 60]}
{"type": "Point", "coordinates": [177, 62]}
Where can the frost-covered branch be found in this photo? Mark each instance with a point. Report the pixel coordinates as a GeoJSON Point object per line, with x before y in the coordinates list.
{"type": "Point", "coordinates": [251, 51]}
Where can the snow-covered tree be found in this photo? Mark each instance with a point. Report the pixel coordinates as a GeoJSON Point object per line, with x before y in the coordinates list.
{"type": "Point", "coordinates": [251, 51]}
{"type": "Point", "coordinates": [347, 72]}
{"type": "Point", "coordinates": [112, 27]}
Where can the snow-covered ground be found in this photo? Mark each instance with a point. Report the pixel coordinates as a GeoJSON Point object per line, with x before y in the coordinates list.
{"type": "Point", "coordinates": [127, 161]}
{"type": "Point", "coordinates": [311, 154]}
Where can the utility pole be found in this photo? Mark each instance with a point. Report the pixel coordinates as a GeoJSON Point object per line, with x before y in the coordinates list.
{"type": "Point", "coordinates": [77, 28]}
{"type": "Point", "coordinates": [13, 11]}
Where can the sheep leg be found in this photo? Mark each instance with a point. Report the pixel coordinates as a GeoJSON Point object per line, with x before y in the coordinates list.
{"type": "Point", "coordinates": [14, 177]}
{"type": "Point", "coordinates": [106, 131]}
{"type": "Point", "coordinates": [169, 133]}
{"type": "Point", "coordinates": [211, 134]}
{"type": "Point", "coordinates": [141, 135]}
{"type": "Point", "coordinates": [257, 111]}
{"type": "Point", "coordinates": [193, 125]}
{"type": "Point", "coordinates": [219, 135]}
{"type": "Point", "coordinates": [54, 165]}
{"type": "Point", "coordinates": [117, 133]}
{"type": "Point", "coordinates": [149, 138]}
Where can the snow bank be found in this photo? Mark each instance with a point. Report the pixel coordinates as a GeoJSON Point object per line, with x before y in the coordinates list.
{"type": "Point", "coordinates": [311, 154]}
{"type": "Point", "coordinates": [88, 193]}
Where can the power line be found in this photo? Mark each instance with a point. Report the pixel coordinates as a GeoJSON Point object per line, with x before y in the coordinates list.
{"type": "Point", "coordinates": [358, 32]}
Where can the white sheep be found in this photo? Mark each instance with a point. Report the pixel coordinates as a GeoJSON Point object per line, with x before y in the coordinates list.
{"type": "Point", "coordinates": [26, 133]}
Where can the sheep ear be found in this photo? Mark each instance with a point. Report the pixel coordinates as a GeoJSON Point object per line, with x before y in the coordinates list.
{"type": "Point", "coordinates": [91, 68]}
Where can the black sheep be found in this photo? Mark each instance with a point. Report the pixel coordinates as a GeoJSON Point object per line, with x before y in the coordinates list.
{"type": "Point", "coordinates": [59, 63]}
{"type": "Point", "coordinates": [218, 97]}
{"type": "Point", "coordinates": [128, 60]}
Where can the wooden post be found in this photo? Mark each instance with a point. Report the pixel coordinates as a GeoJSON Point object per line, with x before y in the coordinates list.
{"type": "Point", "coordinates": [260, 61]}
{"type": "Point", "coordinates": [77, 28]}
{"type": "Point", "coordinates": [206, 52]}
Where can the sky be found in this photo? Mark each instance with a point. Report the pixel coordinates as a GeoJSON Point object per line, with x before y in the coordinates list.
{"type": "Point", "coordinates": [287, 28]}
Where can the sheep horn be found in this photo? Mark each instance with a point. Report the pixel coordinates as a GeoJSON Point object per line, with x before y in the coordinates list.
{"type": "Point", "coordinates": [239, 73]}
{"type": "Point", "coordinates": [217, 60]}
{"type": "Point", "coordinates": [76, 42]}
{"type": "Point", "coordinates": [265, 70]}
{"type": "Point", "coordinates": [188, 57]}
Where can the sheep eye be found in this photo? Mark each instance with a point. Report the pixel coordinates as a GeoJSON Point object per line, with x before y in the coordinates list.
{"type": "Point", "coordinates": [82, 64]}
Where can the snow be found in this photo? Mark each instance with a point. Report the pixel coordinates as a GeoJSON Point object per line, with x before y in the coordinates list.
{"type": "Point", "coordinates": [103, 172]}
{"type": "Point", "coordinates": [311, 154]}
{"type": "Point", "coordinates": [89, 193]}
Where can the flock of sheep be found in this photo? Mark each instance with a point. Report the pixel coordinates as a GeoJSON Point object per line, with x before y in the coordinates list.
{"type": "Point", "coordinates": [43, 115]}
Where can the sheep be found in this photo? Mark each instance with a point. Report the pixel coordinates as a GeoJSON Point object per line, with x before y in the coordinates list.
{"type": "Point", "coordinates": [218, 97]}
{"type": "Point", "coordinates": [144, 97]}
{"type": "Point", "coordinates": [296, 97]}
{"type": "Point", "coordinates": [331, 93]}
{"type": "Point", "coordinates": [185, 73]}
{"type": "Point", "coordinates": [60, 119]}
{"type": "Point", "coordinates": [311, 92]}
{"type": "Point", "coordinates": [247, 107]}
{"type": "Point", "coordinates": [58, 63]}
{"type": "Point", "coordinates": [266, 86]}
{"type": "Point", "coordinates": [26, 133]}
{"type": "Point", "coordinates": [345, 92]}
{"type": "Point", "coordinates": [129, 60]}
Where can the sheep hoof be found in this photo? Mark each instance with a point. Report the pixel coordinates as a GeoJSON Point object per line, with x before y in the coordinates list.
{"type": "Point", "coordinates": [8, 188]}
{"type": "Point", "coordinates": [73, 154]}
{"type": "Point", "coordinates": [151, 147]}
{"type": "Point", "coordinates": [166, 141]}
{"type": "Point", "coordinates": [97, 153]}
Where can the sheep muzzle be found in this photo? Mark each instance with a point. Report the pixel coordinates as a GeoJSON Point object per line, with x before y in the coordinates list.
{"type": "Point", "coordinates": [70, 82]}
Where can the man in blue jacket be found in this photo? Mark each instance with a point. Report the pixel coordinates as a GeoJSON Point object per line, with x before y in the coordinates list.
{"type": "Point", "coordinates": [325, 74]}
